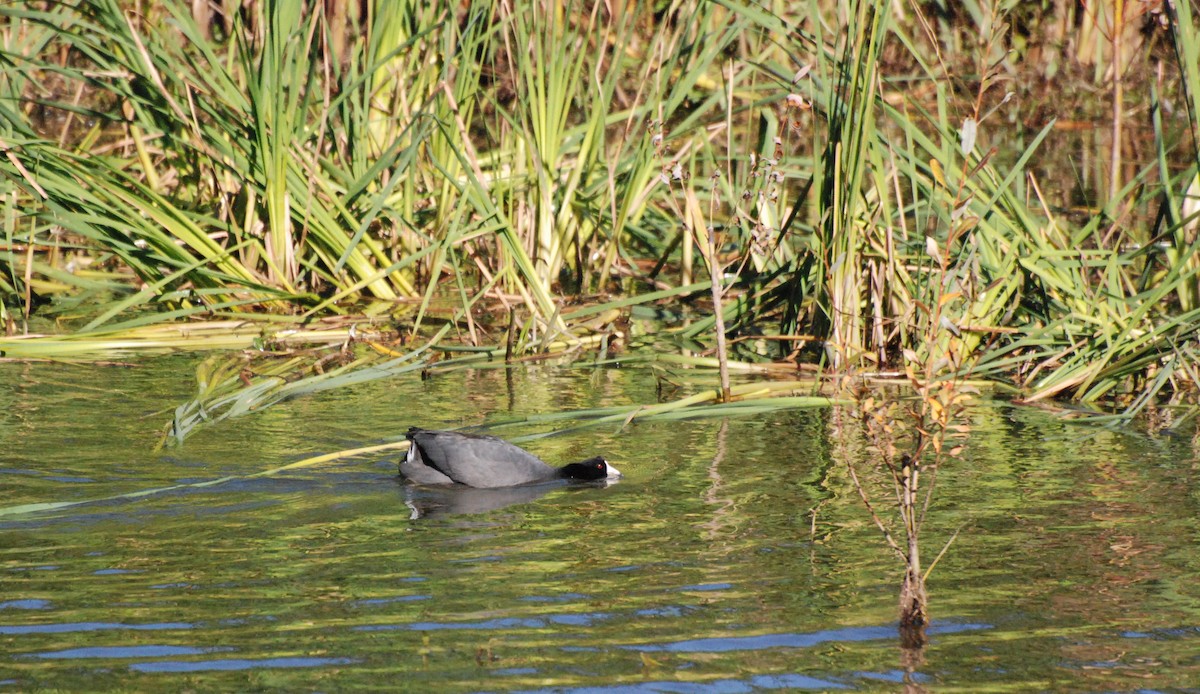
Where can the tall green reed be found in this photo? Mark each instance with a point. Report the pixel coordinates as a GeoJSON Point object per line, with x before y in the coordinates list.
{"type": "Point", "coordinates": [508, 155]}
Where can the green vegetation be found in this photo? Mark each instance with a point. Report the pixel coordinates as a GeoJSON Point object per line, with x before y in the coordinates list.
{"type": "Point", "coordinates": [855, 187]}
{"type": "Point", "coordinates": [820, 193]}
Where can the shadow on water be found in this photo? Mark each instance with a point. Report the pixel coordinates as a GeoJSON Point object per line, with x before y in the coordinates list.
{"type": "Point", "coordinates": [436, 502]}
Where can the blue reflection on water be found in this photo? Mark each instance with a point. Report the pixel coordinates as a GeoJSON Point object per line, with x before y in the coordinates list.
{"type": "Point", "coordinates": [665, 611]}
{"type": "Point", "coordinates": [236, 664]}
{"type": "Point", "coordinates": [499, 623]}
{"type": "Point", "coordinates": [725, 644]}
{"type": "Point", "coordinates": [384, 601]}
{"type": "Point", "coordinates": [897, 676]}
{"type": "Point", "coordinates": [89, 626]}
{"type": "Point", "coordinates": [1162, 633]}
{"type": "Point", "coordinates": [124, 652]}
{"type": "Point", "coordinates": [514, 671]}
{"type": "Point", "coordinates": [31, 604]}
{"type": "Point", "coordinates": [758, 682]}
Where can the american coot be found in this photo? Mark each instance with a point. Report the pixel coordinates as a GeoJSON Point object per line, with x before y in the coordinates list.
{"type": "Point", "coordinates": [475, 460]}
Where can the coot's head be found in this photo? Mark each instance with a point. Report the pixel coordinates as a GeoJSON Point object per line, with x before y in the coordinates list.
{"type": "Point", "coordinates": [591, 469]}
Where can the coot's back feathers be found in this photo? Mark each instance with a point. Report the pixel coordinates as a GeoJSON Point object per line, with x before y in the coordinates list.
{"type": "Point", "coordinates": [477, 460]}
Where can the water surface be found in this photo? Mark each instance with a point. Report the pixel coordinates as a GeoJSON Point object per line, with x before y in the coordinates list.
{"type": "Point", "coordinates": [735, 556]}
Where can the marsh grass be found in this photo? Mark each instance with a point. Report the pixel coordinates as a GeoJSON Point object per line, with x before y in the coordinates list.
{"type": "Point", "coordinates": [160, 338]}
{"type": "Point", "coordinates": [767, 168]}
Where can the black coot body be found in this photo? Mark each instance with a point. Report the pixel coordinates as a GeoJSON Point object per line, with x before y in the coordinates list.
{"type": "Point", "coordinates": [477, 460]}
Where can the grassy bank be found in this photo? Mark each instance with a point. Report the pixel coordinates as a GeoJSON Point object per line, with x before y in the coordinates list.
{"type": "Point", "coordinates": [859, 188]}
